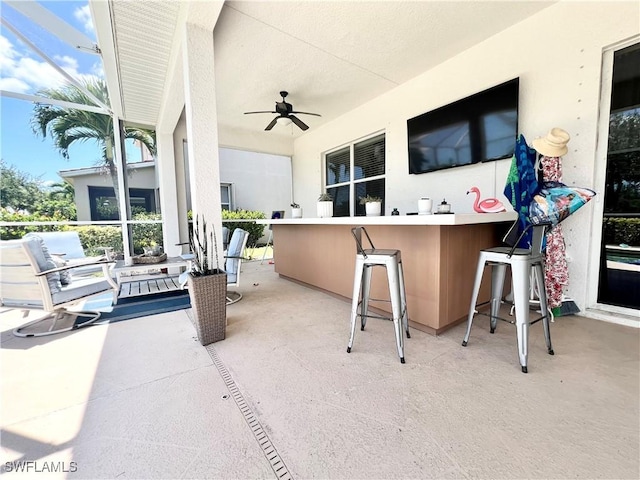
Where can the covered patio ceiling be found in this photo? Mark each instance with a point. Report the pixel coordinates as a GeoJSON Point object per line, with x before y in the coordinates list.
{"type": "Point", "coordinates": [330, 56]}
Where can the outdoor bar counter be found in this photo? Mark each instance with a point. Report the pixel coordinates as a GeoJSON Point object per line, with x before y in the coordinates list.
{"type": "Point", "coordinates": [439, 256]}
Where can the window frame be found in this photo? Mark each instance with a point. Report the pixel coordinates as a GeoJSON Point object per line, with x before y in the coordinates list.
{"type": "Point", "coordinates": [353, 182]}
{"type": "Point", "coordinates": [147, 194]}
{"type": "Point", "coordinates": [230, 191]}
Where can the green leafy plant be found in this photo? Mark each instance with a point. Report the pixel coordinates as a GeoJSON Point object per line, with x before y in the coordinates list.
{"type": "Point", "coordinates": [369, 199]}
{"type": "Point", "coordinates": [95, 239]}
{"type": "Point", "coordinates": [325, 197]}
{"type": "Point", "coordinates": [146, 234]}
{"type": "Point", "coordinates": [255, 230]}
{"type": "Point", "coordinates": [622, 231]}
{"type": "Point", "coordinates": [201, 244]}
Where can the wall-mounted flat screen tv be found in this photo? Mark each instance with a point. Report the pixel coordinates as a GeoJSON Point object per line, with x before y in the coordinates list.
{"type": "Point", "coordinates": [479, 128]}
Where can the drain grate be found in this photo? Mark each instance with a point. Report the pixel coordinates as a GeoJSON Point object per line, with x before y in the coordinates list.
{"type": "Point", "coordinates": [277, 464]}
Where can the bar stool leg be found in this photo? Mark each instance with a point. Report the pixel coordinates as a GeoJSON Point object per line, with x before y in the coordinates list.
{"type": "Point", "coordinates": [474, 297]}
{"type": "Point", "coordinates": [498, 272]}
{"type": "Point", "coordinates": [366, 289]}
{"type": "Point", "coordinates": [357, 283]}
{"type": "Point", "coordinates": [403, 300]}
{"type": "Point", "coordinates": [394, 293]}
{"type": "Point", "coordinates": [544, 310]}
{"type": "Point", "coordinates": [520, 276]}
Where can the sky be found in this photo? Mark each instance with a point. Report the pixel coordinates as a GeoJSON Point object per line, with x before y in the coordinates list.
{"type": "Point", "coordinates": [24, 71]}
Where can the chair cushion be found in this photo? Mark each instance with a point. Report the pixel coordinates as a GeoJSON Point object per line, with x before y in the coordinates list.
{"type": "Point", "coordinates": [65, 275]}
{"type": "Point", "coordinates": [40, 253]}
{"type": "Point", "coordinates": [81, 290]}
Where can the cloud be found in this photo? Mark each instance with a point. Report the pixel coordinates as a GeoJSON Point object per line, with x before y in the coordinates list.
{"type": "Point", "coordinates": [24, 74]}
{"type": "Point", "coordinates": [13, 85]}
{"type": "Point", "coordinates": [83, 15]}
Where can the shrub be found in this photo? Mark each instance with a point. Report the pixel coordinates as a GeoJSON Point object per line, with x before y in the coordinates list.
{"type": "Point", "coordinates": [621, 230]}
{"type": "Point", "coordinates": [146, 234]}
{"type": "Point", "coordinates": [19, 231]}
{"type": "Point", "coordinates": [255, 230]}
{"type": "Point", "coordinates": [94, 239]}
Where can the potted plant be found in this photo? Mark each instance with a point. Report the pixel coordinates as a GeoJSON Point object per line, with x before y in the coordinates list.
{"type": "Point", "coordinates": [207, 285]}
{"type": "Point", "coordinates": [372, 205]}
{"type": "Point", "coordinates": [296, 211]}
{"type": "Point", "coordinates": [325, 205]}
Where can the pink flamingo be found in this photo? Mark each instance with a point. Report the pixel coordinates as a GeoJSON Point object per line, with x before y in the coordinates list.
{"type": "Point", "coordinates": [488, 205]}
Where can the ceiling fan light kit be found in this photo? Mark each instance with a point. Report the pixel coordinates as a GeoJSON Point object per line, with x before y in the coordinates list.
{"type": "Point", "coordinates": [285, 114]}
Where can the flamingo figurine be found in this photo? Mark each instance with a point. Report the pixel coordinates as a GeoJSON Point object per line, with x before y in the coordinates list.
{"type": "Point", "coordinates": [488, 205]}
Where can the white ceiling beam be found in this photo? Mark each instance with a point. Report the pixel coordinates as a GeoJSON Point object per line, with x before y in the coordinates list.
{"type": "Point", "coordinates": [52, 101]}
{"type": "Point", "coordinates": [58, 69]}
{"type": "Point", "coordinates": [54, 24]}
{"type": "Point", "coordinates": [103, 25]}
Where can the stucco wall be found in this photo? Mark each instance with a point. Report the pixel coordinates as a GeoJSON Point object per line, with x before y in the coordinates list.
{"type": "Point", "coordinates": [138, 178]}
{"type": "Point", "coordinates": [558, 56]}
{"type": "Point", "coordinates": [260, 181]}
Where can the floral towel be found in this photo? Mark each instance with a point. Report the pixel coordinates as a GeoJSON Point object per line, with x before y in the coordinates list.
{"type": "Point", "coordinates": [554, 203]}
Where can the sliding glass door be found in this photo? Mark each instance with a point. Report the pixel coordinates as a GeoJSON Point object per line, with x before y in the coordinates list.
{"type": "Point", "coordinates": [619, 279]}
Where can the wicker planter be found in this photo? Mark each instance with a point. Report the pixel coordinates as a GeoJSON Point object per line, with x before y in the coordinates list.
{"type": "Point", "coordinates": [208, 295]}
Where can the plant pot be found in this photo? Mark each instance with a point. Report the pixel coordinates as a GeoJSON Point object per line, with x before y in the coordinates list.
{"type": "Point", "coordinates": [296, 213]}
{"type": "Point", "coordinates": [208, 294]}
{"type": "Point", "coordinates": [373, 209]}
{"type": "Point", "coordinates": [325, 209]}
{"type": "Point", "coordinates": [153, 251]}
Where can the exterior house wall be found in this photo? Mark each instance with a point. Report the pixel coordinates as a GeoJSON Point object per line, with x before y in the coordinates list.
{"type": "Point", "coordinates": [259, 181]}
{"type": "Point", "coordinates": [138, 178]}
{"type": "Point", "coordinates": [557, 54]}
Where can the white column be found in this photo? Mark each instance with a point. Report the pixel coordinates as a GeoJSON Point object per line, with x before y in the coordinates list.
{"type": "Point", "coordinates": [166, 175]}
{"type": "Point", "coordinates": [202, 127]}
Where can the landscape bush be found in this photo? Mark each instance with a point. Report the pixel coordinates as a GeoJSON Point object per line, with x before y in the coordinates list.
{"type": "Point", "coordinates": [622, 231]}
{"type": "Point", "coordinates": [255, 230]}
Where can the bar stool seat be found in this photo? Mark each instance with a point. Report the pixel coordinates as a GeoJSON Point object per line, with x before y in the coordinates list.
{"type": "Point", "coordinates": [522, 262]}
{"type": "Point", "coordinates": [391, 260]}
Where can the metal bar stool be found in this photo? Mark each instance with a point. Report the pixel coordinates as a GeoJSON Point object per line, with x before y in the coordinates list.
{"type": "Point", "coordinates": [366, 259]}
{"type": "Point", "coordinates": [521, 261]}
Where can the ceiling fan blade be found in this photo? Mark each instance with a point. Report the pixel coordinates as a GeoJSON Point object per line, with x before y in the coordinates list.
{"type": "Point", "coordinates": [272, 124]}
{"type": "Point", "coordinates": [298, 122]}
{"type": "Point", "coordinates": [263, 111]}
{"type": "Point", "coordinates": [307, 113]}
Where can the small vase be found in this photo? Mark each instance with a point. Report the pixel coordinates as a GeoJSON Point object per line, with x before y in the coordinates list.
{"type": "Point", "coordinates": [296, 213]}
{"type": "Point", "coordinates": [425, 205]}
{"type": "Point", "coordinates": [325, 209]}
{"type": "Point", "coordinates": [373, 209]}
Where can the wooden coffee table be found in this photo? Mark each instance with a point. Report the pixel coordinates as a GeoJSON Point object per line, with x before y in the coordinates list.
{"type": "Point", "coordinates": [158, 280]}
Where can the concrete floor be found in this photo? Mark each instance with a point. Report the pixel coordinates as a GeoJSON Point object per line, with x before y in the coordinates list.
{"type": "Point", "coordinates": [143, 399]}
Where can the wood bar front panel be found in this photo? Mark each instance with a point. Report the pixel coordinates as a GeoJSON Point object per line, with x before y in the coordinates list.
{"type": "Point", "coordinates": [439, 264]}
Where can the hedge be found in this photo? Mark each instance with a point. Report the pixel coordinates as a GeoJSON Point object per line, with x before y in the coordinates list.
{"type": "Point", "coordinates": [255, 230]}
{"type": "Point", "coordinates": [621, 230]}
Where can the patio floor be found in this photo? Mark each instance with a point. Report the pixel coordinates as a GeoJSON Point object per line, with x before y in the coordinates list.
{"type": "Point", "coordinates": [143, 399]}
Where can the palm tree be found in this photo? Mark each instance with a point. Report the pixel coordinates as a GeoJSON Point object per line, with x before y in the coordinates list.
{"type": "Point", "coordinates": [67, 126]}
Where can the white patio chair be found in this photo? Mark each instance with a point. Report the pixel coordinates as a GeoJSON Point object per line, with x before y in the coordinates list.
{"type": "Point", "coordinates": [30, 280]}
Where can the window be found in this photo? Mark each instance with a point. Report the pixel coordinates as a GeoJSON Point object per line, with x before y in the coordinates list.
{"type": "Point", "coordinates": [355, 171]}
{"type": "Point", "coordinates": [226, 197]}
{"type": "Point", "coordinates": [104, 204]}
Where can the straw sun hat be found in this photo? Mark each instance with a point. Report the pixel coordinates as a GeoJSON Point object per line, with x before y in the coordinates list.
{"type": "Point", "coordinates": [554, 144]}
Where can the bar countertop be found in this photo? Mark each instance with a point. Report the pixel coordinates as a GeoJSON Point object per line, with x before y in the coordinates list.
{"type": "Point", "coordinates": [433, 219]}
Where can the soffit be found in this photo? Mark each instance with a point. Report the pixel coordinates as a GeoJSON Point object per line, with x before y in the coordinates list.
{"type": "Point", "coordinates": [143, 33]}
{"type": "Point", "coordinates": [330, 56]}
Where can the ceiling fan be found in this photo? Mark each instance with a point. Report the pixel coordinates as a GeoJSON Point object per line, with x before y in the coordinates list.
{"type": "Point", "coordinates": [285, 110]}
